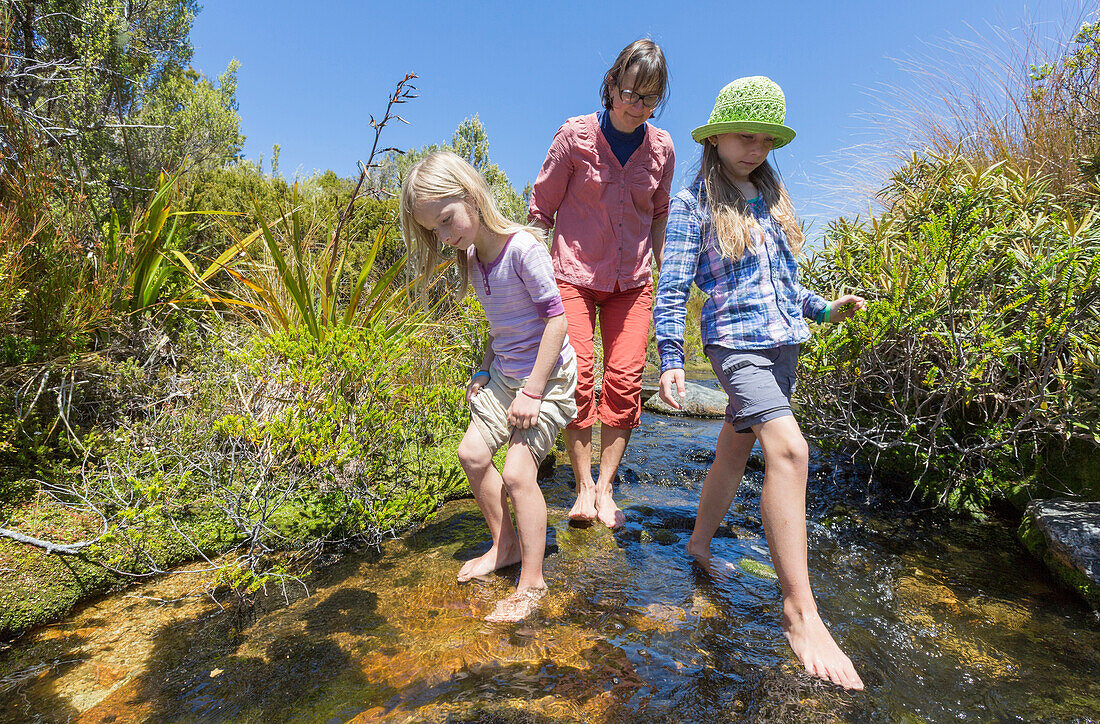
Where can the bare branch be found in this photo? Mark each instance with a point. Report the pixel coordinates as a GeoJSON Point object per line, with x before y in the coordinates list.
{"type": "Point", "coordinates": [68, 549]}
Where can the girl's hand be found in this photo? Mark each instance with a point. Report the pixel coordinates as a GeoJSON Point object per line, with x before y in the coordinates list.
{"type": "Point", "coordinates": [672, 380]}
{"type": "Point", "coordinates": [475, 386]}
{"type": "Point", "coordinates": [845, 307]}
{"type": "Point", "coordinates": [524, 411]}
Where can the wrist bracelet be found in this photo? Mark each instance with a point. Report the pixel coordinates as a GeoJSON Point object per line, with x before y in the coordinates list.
{"type": "Point", "coordinates": [481, 372]}
{"type": "Point", "coordinates": [827, 310]}
{"type": "Point", "coordinates": [532, 395]}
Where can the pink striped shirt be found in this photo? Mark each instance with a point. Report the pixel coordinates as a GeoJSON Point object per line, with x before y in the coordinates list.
{"type": "Point", "coordinates": [518, 293]}
{"type": "Point", "coordinates": [602, 211]}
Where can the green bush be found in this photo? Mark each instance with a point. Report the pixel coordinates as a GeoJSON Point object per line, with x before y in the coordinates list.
{"type": "Point", "coordinates": [979, 348]}
{"type": "Point", "coordinates": [260, 457]}
{"type": "Point", "coordinates": [297, 440]}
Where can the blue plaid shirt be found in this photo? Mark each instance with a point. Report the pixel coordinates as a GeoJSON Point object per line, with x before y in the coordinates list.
{"type": "Point", "coordinates": [754, 302]}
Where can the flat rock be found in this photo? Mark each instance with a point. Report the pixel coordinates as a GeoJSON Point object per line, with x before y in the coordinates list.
{"type": "Point", "coordinates": [699, 401]}
{"type": "Point", "coordinates": [1065, 534]}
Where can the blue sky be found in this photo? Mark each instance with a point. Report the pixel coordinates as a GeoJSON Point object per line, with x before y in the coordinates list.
{"type": "Point", "coordinates": [313, 72]}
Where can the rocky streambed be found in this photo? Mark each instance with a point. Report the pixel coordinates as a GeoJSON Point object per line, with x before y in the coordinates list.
{"type": "Point", "coordinates": [945, 619]}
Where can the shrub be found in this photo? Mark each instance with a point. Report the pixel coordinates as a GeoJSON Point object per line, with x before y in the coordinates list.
{"type": "Point", "coordinates": [271, 452]}
{"type": "Point", "coordinates": [980, 346]}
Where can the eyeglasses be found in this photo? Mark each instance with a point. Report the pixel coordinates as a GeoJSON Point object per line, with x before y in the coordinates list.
{"type": "Point", "coordinates": [649, 100]}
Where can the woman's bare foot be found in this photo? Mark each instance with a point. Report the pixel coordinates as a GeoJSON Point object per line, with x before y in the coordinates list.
{"type": "Point", "coordinates": [585, 507]}
{"type": "Point", "coordinates": [493, 560]}
{"type": "Point", "coordinates": [816, 649]}
{"type": "Point", "coordinates": [607, 512]}
{"type": "Point", "coordinates": [516, 607]}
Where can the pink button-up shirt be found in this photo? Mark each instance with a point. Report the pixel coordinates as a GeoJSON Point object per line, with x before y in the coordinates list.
{"type": "Point", "coordinates": [603, 211]}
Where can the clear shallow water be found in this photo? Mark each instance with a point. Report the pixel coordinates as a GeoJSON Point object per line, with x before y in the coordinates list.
{"type": "Point", "coordinates": [944, 620]}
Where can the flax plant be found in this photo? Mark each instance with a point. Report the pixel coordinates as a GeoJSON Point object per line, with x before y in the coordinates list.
{"type": "Point", "coordinates": [1016, 96]}
{"type": "Point", "coordinates": [286, 282]}
{"type": "Point", "coordinates": [140, 258]}
{"type": "Point", "coordinates": [295, 279]}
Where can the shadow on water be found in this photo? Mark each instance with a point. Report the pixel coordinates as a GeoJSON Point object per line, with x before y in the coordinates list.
{"type": "Point", "coordinates": [59, 658]}
{"type": "Point", "coordinates": [945, 620]}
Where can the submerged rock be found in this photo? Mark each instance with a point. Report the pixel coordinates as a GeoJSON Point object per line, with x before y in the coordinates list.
{"type": "Point", "coordinates": [758, 569]}
{"type": "Point", "coordinates": [699, 401]}
{"type": "Point", "coordinates": [1065, 534]}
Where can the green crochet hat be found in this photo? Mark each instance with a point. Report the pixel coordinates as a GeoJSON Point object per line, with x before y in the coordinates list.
{"type": "Point", "coordinates": [749, 105]}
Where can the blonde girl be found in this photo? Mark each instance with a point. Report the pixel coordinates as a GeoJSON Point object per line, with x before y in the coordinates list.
{"type": "Point", "coordinates": [521, 395]}
{"type": "Point", "coordinates": [734, 233]}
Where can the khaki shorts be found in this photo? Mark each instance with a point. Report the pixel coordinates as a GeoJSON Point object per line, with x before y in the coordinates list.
{"type": "Point", "coordinates": [489, 409]}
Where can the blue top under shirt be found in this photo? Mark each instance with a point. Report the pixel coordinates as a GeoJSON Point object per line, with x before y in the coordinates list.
{"type": "Point", "coordinates": [623, 145]}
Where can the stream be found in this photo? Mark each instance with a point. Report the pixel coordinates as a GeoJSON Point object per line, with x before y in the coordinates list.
{"type": "Point", "coordinates": [946, 620]}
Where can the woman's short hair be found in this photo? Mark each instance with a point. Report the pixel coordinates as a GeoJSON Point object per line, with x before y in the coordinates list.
{"type": "Point", "coordinates": [646, 58]}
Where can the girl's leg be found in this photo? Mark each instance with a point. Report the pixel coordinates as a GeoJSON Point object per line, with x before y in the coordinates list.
{"type": "Point", "coordinates": [521, 483]}
{"type": "Point", "coordinates": [488, 488]}
{"type": "Point", "coordinates": [783, 510]}
{"type": "Point", "coordinates": [624, 327]}
{"type": "Point", "coordinates": [720, 487]}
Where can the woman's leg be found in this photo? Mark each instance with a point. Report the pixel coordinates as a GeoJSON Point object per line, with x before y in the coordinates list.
{"type": "Point", "coordinates": [783, 511]}
{"type": "Point", "coordinates": [521, 482]}
{"type": "Point", "coordinates": [720, 487]}
{"type": "Point", "coordinates": [624, 327]}
{"type": "Point", "coordinates": [488, 488]}
{"type": "Point", "coordinates": [613, 442]}
{"type": "Point", "coordinates": [580, 312]}
{"type": "Point", "coordinates": [579, 443]}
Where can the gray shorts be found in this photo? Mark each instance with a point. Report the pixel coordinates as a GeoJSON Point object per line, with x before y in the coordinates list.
{"type": "Point", "coordinates": [759, 382]}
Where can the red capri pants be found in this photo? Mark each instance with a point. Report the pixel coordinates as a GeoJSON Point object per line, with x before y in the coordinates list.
{"type": "Point", "coordinates": [624, 326]}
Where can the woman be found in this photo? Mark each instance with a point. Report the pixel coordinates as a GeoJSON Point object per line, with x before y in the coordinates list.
{"type": "Point", "coordinates": [604, 190]}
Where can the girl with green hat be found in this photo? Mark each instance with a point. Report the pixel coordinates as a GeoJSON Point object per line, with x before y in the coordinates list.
{"type": "Point", "coordinates": [734, 233]}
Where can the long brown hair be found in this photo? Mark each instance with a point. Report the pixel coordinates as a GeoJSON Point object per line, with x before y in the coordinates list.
{"type": "Point", "coordinates": [729, 209]}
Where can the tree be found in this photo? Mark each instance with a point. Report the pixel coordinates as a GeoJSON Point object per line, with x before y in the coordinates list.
{"type": "Point", "coordinates": [108, 89]}
{"type": "Point", "coordinates": [471, 142]}
{"type": "Point", "coordinates": [191, 123]}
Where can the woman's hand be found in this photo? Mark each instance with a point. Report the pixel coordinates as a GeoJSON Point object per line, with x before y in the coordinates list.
{"type": "Point", "coordinates": [845, 307]}
{"type": "Point", "coordinates": [524, 411]}
{"type": "Point", "coordinates": [478, 381]}
{"type": "Point", "coordinates": [672, 380]}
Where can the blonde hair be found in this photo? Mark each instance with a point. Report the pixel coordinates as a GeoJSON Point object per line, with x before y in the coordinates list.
{"type": "Point", "coordinates": [446, 175]}
{"type": "Point", "coordinates": [729, 210]}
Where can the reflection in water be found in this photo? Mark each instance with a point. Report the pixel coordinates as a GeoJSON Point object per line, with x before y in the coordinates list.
{"type": "Point", "coordinates": [944, 620]}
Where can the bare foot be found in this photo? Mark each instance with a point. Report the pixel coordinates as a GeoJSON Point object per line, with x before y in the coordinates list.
{"type": "Point", "coordinates": [607, 512]}
{"type": "Point", "coordinates": [719, 569]}
{"type": "Point", "coordinates": [701, 553]}
{"type": "Point", "coordinates": [815, 648]}
{"type": "Point", "coordinates": [493, 560]}
{"type": "Point", "coordinates": [585, 507]}
{"type": "Point", "coordinates": [518, 606]}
